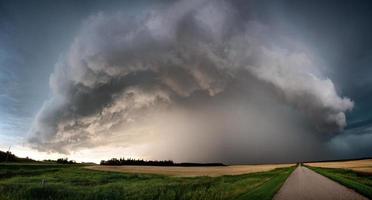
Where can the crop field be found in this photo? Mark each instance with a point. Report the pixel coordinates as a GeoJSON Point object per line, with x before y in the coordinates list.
{"type": "Point", "coordinates": [364, 166]}
{"type": "Point", "coordinates": [191, 171]}
{"type": "Point", "coordinates": [76, 182]}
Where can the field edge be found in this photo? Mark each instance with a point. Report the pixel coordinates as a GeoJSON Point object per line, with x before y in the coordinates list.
{"type": "Point", "coordinates": [346, 177]}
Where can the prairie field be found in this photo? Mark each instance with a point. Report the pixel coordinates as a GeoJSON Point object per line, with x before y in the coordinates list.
{"type": "Point", "coordinates": [364, 166]}
{"type": "Point", "coordinates": [75, 182]}
{"type": "Point", "coordinates": [191, 171]}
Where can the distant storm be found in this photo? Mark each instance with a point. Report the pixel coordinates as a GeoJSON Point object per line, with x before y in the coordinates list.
{"type": "Point", "coordinates": [200, 81]}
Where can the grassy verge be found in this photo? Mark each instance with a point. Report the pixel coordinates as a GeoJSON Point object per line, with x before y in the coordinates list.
{"type": "Point", "coordinates": [269, 188]}
{"type": "Point", "coordinates": [73, 182]}
{"type": "Point", "coordinates": [360, 182]}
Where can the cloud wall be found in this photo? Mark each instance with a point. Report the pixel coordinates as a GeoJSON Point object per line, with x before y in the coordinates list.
{"type": "Point", "coordinates": [189, 74]}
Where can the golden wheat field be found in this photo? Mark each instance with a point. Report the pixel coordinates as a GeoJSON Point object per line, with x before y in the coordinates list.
{"type": "Point", "coordinates": [191, 171]}
{"type": "Point", "coordinates": [356, 165]}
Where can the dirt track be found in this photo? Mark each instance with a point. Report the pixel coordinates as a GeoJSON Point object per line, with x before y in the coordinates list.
{"type": "Point", "coordinates": [305, 184]}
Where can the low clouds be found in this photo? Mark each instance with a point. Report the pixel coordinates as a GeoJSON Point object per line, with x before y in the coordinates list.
{"type": "Point", "coordinates": [193, 75]}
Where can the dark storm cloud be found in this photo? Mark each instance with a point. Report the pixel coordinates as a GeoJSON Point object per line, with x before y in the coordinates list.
{"type": "Point", "coordinates": [339, 32]}
{"type": "Point", "coordinates": [240, 81]}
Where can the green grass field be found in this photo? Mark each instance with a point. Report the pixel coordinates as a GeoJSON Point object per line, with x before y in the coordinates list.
{"type": "Point", "coordinates": [360, 182]}
{"type": "Point", "coordinates": [74, 182]}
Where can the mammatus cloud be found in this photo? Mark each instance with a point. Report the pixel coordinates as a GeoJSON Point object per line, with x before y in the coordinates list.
{"type": "Point", "coordinates": [125, 77]}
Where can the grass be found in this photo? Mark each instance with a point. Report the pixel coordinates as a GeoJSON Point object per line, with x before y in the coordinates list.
{"type": "Point", "coordinates": [360, 182]}
{"type": "Point", "coordinates": [10, 170]}
{"type": "Point", "coordinates": [28, 182]}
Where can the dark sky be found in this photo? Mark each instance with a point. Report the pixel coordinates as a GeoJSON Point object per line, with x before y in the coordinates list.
{"type": "Point", "coordinates": [268, 77]}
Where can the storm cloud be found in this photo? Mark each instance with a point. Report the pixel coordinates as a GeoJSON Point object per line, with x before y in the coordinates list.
{"type": "Point", "coordinates": [199, 77]}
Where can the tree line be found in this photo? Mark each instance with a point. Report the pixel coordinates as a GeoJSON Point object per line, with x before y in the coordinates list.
{"type": "Point", "coordinates": [10, 157]}
{"type": "Point", "coordinates": [141, 162]}
{"type": "Point", "coordinates": [130, 161]}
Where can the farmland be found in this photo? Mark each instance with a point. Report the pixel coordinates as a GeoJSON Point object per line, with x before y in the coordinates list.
{"type": "Point", "coordinates": [364, 166]}
{"type": "Point", "coordinates": [191, 171]}
{"type": "Point", "coordinates": [76, 182]}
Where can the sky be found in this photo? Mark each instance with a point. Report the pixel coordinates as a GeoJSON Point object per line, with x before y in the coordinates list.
{"type": "Point", "coordinates": [188, 80]}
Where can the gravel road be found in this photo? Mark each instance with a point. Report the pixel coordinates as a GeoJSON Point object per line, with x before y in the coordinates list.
{"type": "Point", "coordinates": [305, 184]}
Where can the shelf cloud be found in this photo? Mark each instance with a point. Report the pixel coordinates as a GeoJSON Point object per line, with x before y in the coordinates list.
{"type": "Point", "coordinates": [197, 76]}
